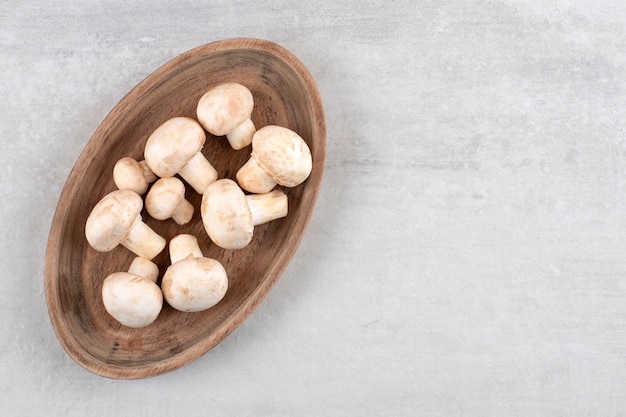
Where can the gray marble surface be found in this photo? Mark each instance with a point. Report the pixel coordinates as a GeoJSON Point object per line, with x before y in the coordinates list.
{"type": "Point", "coordinates": [467, 253]}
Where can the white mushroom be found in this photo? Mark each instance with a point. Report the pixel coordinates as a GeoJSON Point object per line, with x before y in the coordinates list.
{"type": "Point", "coordinates": [192, 282]}
{"type": "Point", "coordinates": [128, 174]}
{"type": "Point", "coordinates": [175, 148]}
{"type": "Point", "coordinates": [226, 110]}
{"type": "Point", "coordinates": [279, 155]}
{"type": "Point", "coordinates": [166, 199]}
{"type": "Point", "coordinates": [229, 216]}
{"type": "Point", "coordinates": [133, 298]}
{"type": "Point", "coordinates": [116, 219]}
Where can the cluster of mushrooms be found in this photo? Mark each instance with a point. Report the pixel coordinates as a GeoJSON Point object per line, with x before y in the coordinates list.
{"type": "Point", "coordinates": [192, 282]}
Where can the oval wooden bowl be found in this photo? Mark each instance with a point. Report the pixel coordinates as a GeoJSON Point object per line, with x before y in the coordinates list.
{"type": "Point", "coordinates": [285, 94]}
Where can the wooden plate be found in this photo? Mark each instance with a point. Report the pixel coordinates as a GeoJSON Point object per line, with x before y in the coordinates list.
{"type": "Point", "coordinates": [285, 94]}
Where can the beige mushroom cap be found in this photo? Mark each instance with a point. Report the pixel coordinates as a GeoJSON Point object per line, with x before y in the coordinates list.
{"type": "Point", "coordinates": [226, 216]}
{"type": "Point", "coordinates": [283, 154]}
{"type": "Point", "coordinates": [132, 300]}
{"type": "Point", "coordinates": [225, 107]}
{"type": "Point", "coordinates": [194, 284]}
{"type": "Point", "coordinates": [112, 218]}
{"type": "Point", "coordinates": [173, 144]}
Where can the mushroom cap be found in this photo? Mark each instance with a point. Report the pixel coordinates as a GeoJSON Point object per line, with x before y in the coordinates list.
{"type": "Point", "coordinates": [128, 175]}
{"type": "Point", "coordinates": [112, 218]}
{"type": "Point", "coordinates": [283, 154]}
{"type": "Point", "coordinates": [164, 197]}
{"type": "Point", "coordinates": [224, 107]}
{"type": "Point", "coordinates": [173, 144]}
{"type": "Point", "coordinates": [194, 284]}
{"type": "Point", "coordinates": [132, 300]}
{"type": "Point", "coordinates": [226, 215]}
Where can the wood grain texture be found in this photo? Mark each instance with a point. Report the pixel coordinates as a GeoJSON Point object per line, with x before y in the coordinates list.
{"type": "Point", "coordinates": [286, 95]}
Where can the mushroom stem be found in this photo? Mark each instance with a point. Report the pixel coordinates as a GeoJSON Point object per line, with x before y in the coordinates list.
{"type": "Point", "coordinates": [184, 246]}
{"type": "Point", "coordinates": [144, 268]}
{"type": "Point", "coordinates": [147, 172]}
{"type": "Point", "coordinates": [267, 207]}
{"type": "Point", "coordinates": [143, 241]}
{"type": "Point", "coordinates": [198, 172]}
{"type": "Point", "coordinates": [241, 136]}
{"type": "Point", "coordinates": [253, 178]}
{"type": "Point", "coordinates": [183, 213]}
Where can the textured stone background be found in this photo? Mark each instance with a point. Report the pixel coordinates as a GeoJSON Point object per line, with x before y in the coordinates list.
{"type": "Point", "coordinates": [466, 257]}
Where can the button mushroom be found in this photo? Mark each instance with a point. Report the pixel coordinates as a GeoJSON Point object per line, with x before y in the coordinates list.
{"type": "Point", "coordinates": [128, 174]}
{"type": "Point", "coordinates": [166, 199]}
{"type": "Point", "coordinates": [175, 148]}
{"type": "Point", "coordinates": [229, 216]}
{"type": "Point", "coordinates": [133, 298]}
{"type": "Point", "coordinates": [279, 155]}
{"type": "Point", "coordinates": [226, 110]}
{"type": "Point", "coordinates": [116, 219]}
{"type": "Point", "coordinates": [192, 282]}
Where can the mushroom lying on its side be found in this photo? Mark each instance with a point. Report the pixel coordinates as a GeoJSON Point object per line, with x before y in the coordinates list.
{"type": "Point", "coordinates": [166, 199]}
{"type": "Point", "coordinates": [133, 298]}
{"type": "Point", "coordinates": [279, 155]}
{"type": "Point", "coordinates": [226, 110]}
{"type": "Point", "coordinates": [116, 219]}
{"type": "Point", "coordinates": [192, 282]}
{"type": "Point", "coordinates": [128, 174]}
{"type": "Point", "coordinates": [229, 216]}
{"type": "Point", "coordinates": [175, 148]}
